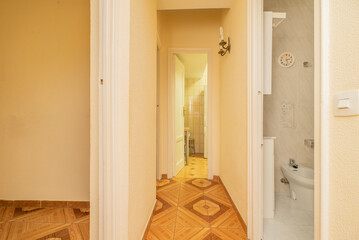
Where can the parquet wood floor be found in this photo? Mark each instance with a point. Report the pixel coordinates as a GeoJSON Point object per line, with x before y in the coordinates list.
{"type": "Point", "coordinates": [191, 207]}
{"type": "Point", "coordinates": [197, 168]}
{"type": "Point", "coordinates": [44, 223]}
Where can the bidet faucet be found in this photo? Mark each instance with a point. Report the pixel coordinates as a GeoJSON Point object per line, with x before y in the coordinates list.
{"type": "Point", "coordinates": [292, 163]}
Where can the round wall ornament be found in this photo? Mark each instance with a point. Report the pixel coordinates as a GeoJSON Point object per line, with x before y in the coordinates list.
{"type": "Point", "coordinates": [286, 59]}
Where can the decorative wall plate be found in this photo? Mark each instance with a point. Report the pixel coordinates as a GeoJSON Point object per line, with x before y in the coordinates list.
{"type": "Point", "coordinates": [286, 59]}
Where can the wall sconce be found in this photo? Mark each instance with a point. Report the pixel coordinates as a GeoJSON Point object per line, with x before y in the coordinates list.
{"type": "Point", "coordinates": [223, 49]}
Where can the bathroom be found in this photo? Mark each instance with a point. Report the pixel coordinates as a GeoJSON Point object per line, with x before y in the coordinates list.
{"type": "Point", "coordinates": [194, 101]}
{"type": "Point", "coordinates": [288, 120]}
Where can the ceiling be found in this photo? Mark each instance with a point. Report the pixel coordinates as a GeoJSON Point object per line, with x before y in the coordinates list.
{"type": "Point", "coordinates": [193, 4]}
{"type": "Point", "coordinates": [194, 64]}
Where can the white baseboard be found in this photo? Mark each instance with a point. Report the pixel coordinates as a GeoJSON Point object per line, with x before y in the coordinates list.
{"type": "Point", "coordinates": [180, 162]}
{"type": "Point", "coordinates": [149, 219]}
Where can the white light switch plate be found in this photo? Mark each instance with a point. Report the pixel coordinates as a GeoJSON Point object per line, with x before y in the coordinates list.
{"type": "Point", "coordinates": [346, 103]}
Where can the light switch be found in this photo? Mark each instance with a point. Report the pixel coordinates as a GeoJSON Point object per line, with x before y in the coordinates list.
{"type": "Point", "coordinates": [346, 103]}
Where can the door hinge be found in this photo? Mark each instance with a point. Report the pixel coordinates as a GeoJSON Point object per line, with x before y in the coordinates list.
{"type": "Point", "coordinates": [101, 81]}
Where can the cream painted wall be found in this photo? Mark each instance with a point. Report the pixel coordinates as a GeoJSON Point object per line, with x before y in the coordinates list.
{"type": "Point", "coordinates": [233, 163]}
{"type": "Point", "coordinates": [142, 176]}
{"type": "Point", "coordinates": [190, 4]}
{"type": "Point", "coordinates": [44, 97]}
{"type": "Point", "coordinates": [189, 29]}
{"type": "Point", "coordinates": [343, 131]}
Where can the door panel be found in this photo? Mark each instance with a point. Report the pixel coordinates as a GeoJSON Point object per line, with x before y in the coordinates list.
{"type": "Point", "coordinates": [205, 147]}
{"type": "Point", "coordinates": [179, 117]}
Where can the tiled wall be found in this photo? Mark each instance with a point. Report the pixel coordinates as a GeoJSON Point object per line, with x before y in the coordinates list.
{"type": "Point", "coordinates": [194, 110]}
{"type": "Point", "coordinates": [292, 87]}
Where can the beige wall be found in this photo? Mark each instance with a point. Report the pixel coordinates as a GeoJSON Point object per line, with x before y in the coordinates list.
{"type": "Point", "coordinates": [44, 97]}
{"type": "Point", "coordinates": [189, 4]}
{"type": "Point", "coordinates": [142, 175]}
{"type": "Point", "coordinates": [233, 164]}
{"type": "Point", "coordinates": [343, 131]}
{"type": "Point", "coordinates": [189, 29]}
{"type": "Point", "coordinates": [292, 86]}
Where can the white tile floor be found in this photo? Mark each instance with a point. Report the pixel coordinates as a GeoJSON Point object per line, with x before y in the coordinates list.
{"type": "Point", "coordinates": [290, 222]}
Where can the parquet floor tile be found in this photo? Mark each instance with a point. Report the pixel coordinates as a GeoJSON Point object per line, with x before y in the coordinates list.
{"type": "Point", "coordinates": [188, 194]}
{"type": "Point", "coordinates": [191, 207]}
{"type": "Point", "coordinates": [40, 216]}
{"type": "Point", "coordinates": [4, 230]}
{"type": "Point", "coordinates": [164, 214]}
{"type": "Point", "coordinates": [85, 230]}
{"type": "Point", "coordinates": [160, 233]}
{"type": "Point", "coordinates": [170, 195]}
{"type": "Point", "coordinates": [44, 224]}
{"type": "Point", "coordinates": [183, 233]}
{"type": "Point", "coordinates": [7, 214]}
{"type": "Point", "coordinates": [227, 220]}
{"type": "Point", "coordinates": [218, 193]}
{"type": "Point", "coordinates": [2, 210]}
{"type": "Point", "coordinates": [191, 218]}
{"type": "Point", "coordinates": [228, 234]}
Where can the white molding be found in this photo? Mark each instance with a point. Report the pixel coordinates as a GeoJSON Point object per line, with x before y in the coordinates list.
{"type": "Point", "coordinates": [149, 218]}
{"type": "Point", "coordinates": [114, 119]}
{"type": "Point", "coordinates": [94, 119]}
{"type": "Point", "coordinates": [255, 119]}
{"type": "Point", "coordinates": [171, 113]}
{"type": "Point", "coordinates": [249, 121]}
{"type": "Point", "coordinates": [180, 138]}
{"type": "Point", "coordinates": [180, 162]}
{"type": "Point", "coordinates": [324, 91]}
{"type": "Point", "coordinates": [158, 115]}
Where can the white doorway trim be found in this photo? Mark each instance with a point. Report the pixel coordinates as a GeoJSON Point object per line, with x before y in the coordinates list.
{"type": "Point", "coordinates": [171, 107]}
{"type": "Point", "coordinates": [112, 178]}
{"type": "Point", "coordinates": [255, 120]}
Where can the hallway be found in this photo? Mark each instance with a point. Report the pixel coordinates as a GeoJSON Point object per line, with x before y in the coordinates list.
{"type": "Point", "coordinates": [191, 207]}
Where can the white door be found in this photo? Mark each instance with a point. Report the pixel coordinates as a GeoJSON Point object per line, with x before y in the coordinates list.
{"type": "Point", "coordinates": [158, 173]}
{"type": "Point", "coordinates": [179, 117]}
{"type": "Point", "coordinates": [205, 124]}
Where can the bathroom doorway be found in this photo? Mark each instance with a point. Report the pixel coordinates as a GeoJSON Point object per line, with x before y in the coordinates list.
{"type": "Point", "coordinates": [189, 80]}
{"type": "Point", "coordinates": [288, 120]}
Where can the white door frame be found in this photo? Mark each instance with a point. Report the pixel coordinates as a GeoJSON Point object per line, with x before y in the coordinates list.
{"type": "Point", "coordinates": [171, 107]}
{"type": "Point", "coordinates": [112, 178]}
{"type": "Point", "coordinates": [255, 119]}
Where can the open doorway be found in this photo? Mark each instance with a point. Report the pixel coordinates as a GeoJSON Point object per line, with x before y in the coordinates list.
{"type": "Point", "coordinates": [288, 121]}
{"type": "Point", "coordinates": [188, 118]}
{"type": "Point", "coordinates": [284, 175]}
{"type": "Point", "coordinates": [190, 115]}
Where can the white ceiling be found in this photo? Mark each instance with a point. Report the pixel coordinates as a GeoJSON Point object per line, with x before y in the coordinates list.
{"type": "Point", "coordinates": [194, 64]}
{"type": "Point", "coordinates": [192, 4]}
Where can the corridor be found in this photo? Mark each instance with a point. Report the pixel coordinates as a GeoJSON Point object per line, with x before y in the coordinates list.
{"type": "Point", "coordinates": [191, 207]}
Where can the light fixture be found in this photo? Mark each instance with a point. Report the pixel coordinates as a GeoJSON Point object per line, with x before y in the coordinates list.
{"type": "Point", "coordinates": [224, 47]}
